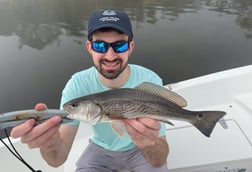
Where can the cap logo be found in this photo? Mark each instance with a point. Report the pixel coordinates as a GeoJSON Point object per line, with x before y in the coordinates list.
{"type": "Point", "coordinates": [109, 14]}
{"type": "Point", "coordinates": [104, 19]}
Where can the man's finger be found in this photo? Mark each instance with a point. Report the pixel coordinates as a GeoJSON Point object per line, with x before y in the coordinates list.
{"type": "Point", "coordinates": [41, 129]}
{"type": "Point", "coordinates": [22, 129]}
{"type": "Point", "coordinates": [40, 106]}
{"type": "Point", "coordinates": [150, 123]}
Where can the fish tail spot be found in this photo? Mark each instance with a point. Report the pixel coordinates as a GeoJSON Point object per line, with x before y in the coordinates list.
{"type": "Point", "coordinates": [207, 121]}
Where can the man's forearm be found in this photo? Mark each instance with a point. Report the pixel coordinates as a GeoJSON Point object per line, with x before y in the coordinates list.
{"type": "Point", "coordinates": [157, 154]}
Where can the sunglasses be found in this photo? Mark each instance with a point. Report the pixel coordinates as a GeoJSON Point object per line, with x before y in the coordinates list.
{"type": "Point", "coordinates": [102, 46]}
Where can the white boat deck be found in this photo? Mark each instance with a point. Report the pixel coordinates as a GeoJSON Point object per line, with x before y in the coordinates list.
{"type": "Point", "coordinates": [228, 149]}
{"type": "Point", "coordinates": [225, 151]}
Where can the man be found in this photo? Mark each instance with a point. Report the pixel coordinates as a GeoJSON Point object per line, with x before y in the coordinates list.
{"type": "Point", "coordinates": [144, 148]}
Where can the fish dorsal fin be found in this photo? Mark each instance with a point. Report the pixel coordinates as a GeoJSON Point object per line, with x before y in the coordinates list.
{"type": "Point", "coordinates": [162, 92]}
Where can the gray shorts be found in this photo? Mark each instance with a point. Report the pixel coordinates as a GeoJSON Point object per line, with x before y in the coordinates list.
{"type": "Point", "coordinates": [97, 159]}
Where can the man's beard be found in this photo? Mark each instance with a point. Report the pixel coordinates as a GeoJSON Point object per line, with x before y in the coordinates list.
{"type": "Point", "coordinates": [111, 74]}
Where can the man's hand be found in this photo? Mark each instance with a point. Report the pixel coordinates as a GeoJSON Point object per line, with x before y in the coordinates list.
{"type": "Point", "coordinates": [143, 131]}
{"type": "Point", "coordinates": [40, 136]}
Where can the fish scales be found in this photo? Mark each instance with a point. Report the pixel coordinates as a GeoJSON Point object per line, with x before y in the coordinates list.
{"type": "Point", "coordinates": [136, 103]}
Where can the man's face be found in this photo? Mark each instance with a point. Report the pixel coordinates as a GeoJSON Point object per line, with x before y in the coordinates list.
{"type": "Point", "coordinates": [110, 64]}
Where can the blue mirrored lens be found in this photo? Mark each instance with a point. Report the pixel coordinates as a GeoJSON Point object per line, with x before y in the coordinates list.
{"type": "Point", "coordinates": [102, 47]}
{"type": "Point", "coordinates": [120, 46]}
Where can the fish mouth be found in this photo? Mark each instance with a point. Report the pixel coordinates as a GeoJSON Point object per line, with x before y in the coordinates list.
{"type": "Point", "coordinates": [69, 114]}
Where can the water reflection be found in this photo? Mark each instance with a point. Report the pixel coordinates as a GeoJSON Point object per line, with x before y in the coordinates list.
{"type": "Point", "coordinates": [38, 23]}
{"type": "Point", "coordinates": [241, 8]}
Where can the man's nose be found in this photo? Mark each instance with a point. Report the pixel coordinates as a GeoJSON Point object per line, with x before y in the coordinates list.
{"type": "Point", "coordinates": [110, 54]}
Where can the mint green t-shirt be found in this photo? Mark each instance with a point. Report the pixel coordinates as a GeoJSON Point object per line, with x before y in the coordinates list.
{"type": "Point", "coordinates": [86, 82]}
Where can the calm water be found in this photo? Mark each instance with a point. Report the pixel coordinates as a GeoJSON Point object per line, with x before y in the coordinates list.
{"type": "Point", "coordinates": [42, 42]}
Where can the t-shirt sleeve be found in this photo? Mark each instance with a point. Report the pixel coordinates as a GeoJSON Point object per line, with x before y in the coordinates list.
{"type": "Point", "coordinates": [162, 129]}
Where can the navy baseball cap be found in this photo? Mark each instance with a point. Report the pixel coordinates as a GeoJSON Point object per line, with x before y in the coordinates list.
{"type": "Point", "coordinates": [110, 19]}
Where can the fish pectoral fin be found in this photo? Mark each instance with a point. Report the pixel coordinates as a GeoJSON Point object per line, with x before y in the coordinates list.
{"type": "Point", "coordinates": [115, 116]}
{"type": "Point", "coordinates": [167, 122]}
{"type": "Point", "coordinates": [118, 128]}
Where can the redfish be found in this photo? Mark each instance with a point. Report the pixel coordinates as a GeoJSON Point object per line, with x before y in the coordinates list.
{"type": "Point", "coordinates": [146, 100]}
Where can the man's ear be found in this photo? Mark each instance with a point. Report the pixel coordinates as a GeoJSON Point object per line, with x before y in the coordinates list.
{"type": "Point", "coordinates": [131, 46]}
{"type": "Point", "coordinates": [89, 47]}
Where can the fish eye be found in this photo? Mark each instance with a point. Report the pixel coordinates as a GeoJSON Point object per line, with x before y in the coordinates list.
{"type": "Point", "coordinates": [200, 116]}
{"type": "Point", "coordinates": [75, 104]}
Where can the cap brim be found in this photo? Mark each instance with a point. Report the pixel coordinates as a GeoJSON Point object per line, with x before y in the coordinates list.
{"type": "Point", "coordinates": [110, 25]}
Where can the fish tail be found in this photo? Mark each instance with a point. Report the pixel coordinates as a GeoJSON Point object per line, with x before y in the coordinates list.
{"type": "Point", "coordinates": [206, 121]}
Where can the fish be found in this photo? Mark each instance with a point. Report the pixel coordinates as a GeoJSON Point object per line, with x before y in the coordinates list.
{"type": "Point", "coordinates": [14, 118]}
{"type": "Point", "coordinates": [146, 100]}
